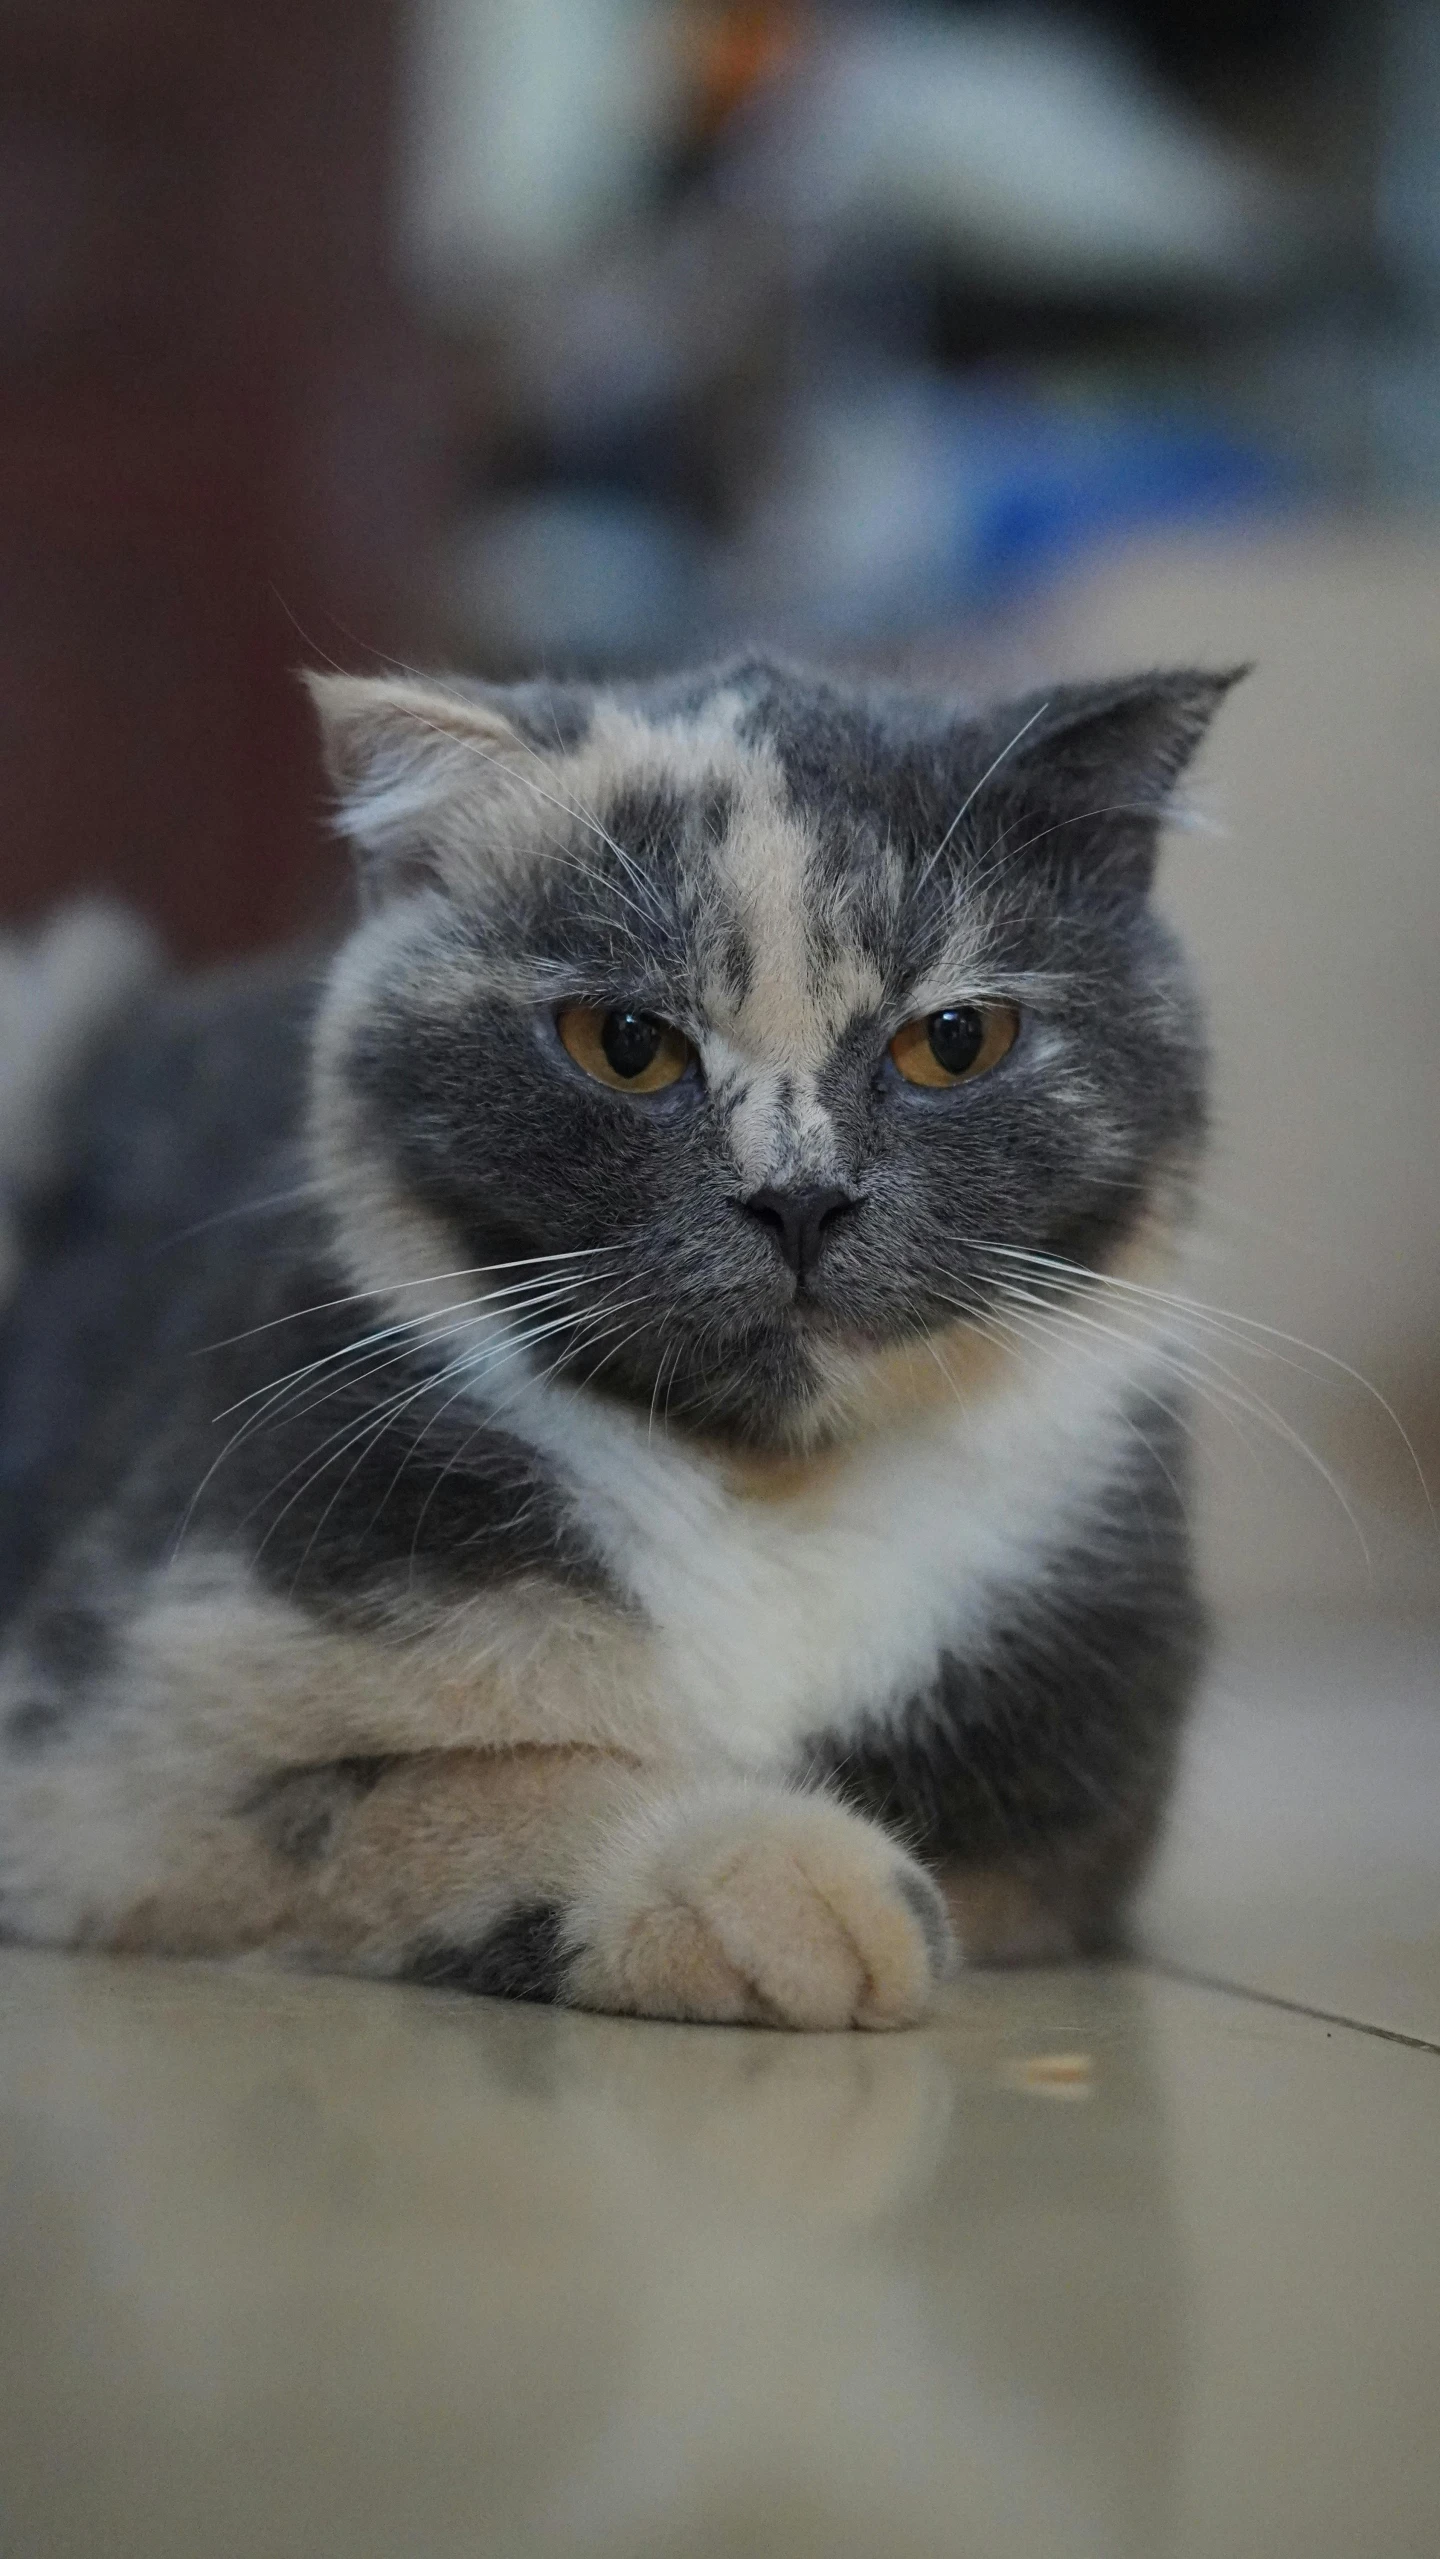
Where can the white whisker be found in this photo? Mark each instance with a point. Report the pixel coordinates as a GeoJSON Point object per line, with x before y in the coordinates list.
{"type": "Point", "coordinates": [1246, 1399]}
{"type": "Point", "coordinates": [968, 803]}
{"type": "Point", "coordinates": [1237, 1330]}
{"type": "Point", "coordinates": [392, 1288]}
{"type": "Point", "coordinates": [246, 1208]}
{"type": "Point", "coordinates": [412, 1327]}
{"type": "Point", "coordinates": [372, 1425]}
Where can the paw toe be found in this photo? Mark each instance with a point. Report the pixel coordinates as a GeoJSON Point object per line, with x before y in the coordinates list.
{"type": "Point", "coordinates": [776, 1909]}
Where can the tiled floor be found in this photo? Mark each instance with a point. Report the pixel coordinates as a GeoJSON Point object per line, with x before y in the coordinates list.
{"type": "Point", "coordinates": [1114, 2263]}
{"type": "Point", "coordinates": [1304, 1857]}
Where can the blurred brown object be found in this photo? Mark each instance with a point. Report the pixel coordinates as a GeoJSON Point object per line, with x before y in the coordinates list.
{"type": "Point", "coordinates": [734, 49]}
{"type": "Point", "coordinates": [217, 446]}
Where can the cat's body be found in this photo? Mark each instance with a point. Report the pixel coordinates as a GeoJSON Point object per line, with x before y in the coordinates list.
{"type": "Point", "coordinates": [478, 1513]}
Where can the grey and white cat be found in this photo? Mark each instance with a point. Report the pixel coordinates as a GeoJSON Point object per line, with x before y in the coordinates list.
{"type": "Point", "coordinates": [565, 1449]}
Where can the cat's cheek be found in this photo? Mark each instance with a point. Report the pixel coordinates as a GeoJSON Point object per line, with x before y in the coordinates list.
{"type": "Point", "coordinates": [741, 1905]}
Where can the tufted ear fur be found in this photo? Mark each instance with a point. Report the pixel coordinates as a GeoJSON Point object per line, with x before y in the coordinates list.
{"type": "Point", "coordinates": [417, 768]}
{"type": "Point", "coordinates": [1097, 764]}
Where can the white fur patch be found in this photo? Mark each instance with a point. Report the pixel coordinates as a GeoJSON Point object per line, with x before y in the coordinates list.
{"type": "Point", "coordinates": [773, 1620]}
{"type": "Point", "coordinates": [58, 994]}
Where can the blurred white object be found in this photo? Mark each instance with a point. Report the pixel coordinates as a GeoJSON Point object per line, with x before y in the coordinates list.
{"type": "Point", "coordinates": [534, 123]}
{"type": "Point", "coordinates": [1403, 370]}
{"type": "Point", "coordinates": [59, 991]}
{"type": "Point", "coordinates": [576, 579]}
{"type": "Point", "coordinates": [1032, 152]}
{"type": "Point", "coordinates": [847, 534]}
{"type": "Point", "coordinates": [1314, 923]}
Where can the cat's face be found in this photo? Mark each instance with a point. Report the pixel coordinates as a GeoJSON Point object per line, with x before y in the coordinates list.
{"type": "Point", "coordinates": [778, 1013]}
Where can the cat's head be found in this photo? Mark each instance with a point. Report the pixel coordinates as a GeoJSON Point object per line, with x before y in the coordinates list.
{"type": "Point", "coordinates": [732, 1035]}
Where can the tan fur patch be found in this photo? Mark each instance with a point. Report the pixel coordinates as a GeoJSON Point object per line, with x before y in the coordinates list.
{"type": "Point", "coordinates": [223, 1897]}
{"type": "Point", "coordinates": [1048, 1909]}
{"type": "Point", "coordinates": [265, 1686]}
{"type": "Point", "coordinates": [445, 1842]}
{"type": "Point", "coordinates": [912, 1380]}
{"type": "Point", "coordinates": [730, 1905]}
{"type": "Point", "coordinates": [780, 1475]}
{"type": "Point", "coordinates": [135, 1839]}
{"type": "Point", "coordinates": [965, 1365]}
{"type": "Point", "coordinates": [874, 1392]}
{"type": "Point", "coordinates": [1000, 1919]}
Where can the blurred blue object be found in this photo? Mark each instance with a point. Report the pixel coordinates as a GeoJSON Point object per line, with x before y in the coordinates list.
{"type": "Point", "coordinates": [1033, 487]}
{"type": "Point", "coordinates": [577, 579]}
{"type": "Point", "coordinates": [915, 497]}
{"type": "Point", "coordinates": [903, 500]}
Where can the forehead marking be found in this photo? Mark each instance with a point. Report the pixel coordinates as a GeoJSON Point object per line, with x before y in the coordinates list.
{"type": "Point", "coordinates": [781, 1012]}
{"type": "Point", "coordinates": [624, 752]}
{"type": "Point", "coordinates": [768, 870]}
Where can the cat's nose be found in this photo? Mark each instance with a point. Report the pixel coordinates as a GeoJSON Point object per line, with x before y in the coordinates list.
{"type": "Point", "coordinates": [799, 1220]}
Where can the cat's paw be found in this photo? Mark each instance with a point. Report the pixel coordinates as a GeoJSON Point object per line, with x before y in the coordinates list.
{"type": "Point", "coordinates": [744, 1906]}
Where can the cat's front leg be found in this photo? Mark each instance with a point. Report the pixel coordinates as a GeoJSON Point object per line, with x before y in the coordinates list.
{"type": "Point", "coordinates": [564, 1875]}
{"type": "Point", "coordinates": [175, 1808]}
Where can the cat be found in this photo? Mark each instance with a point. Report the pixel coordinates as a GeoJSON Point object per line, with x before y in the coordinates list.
{"type": "Point", "coordinates": [563, 1448]}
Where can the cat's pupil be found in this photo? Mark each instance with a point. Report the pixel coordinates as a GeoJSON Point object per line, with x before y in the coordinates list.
{"type": "Point", "coordinates": [630, 1041]}
{"type": "Point", "coordinates": [956, 1037]}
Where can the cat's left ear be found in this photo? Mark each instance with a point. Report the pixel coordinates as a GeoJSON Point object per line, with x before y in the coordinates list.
{"type": "Point", "coordinates": [422, 773]}
{"type": "Point", "coordinates": [1098, 763]}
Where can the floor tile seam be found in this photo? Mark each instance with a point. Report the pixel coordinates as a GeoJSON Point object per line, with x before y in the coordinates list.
{"type": "Point", "coordinates": [1292, 2007]}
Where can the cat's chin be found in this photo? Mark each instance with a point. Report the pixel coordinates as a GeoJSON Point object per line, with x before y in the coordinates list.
{"type": "Point", "coordinates": [788, 1380]}
{"type": "Point", "coordinates": [800, 1388]}
{"type": "Point", "coordinates": [809, 1319]}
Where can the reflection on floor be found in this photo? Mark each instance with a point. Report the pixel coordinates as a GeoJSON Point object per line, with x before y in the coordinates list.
{"type": "Point", "coordinates": [1108, 2263]}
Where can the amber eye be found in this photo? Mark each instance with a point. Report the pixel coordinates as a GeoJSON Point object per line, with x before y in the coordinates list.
{"type": "Point", "coordinates": [956, 1045]}
{"type": "Point", "coordinates": [633, 1052]}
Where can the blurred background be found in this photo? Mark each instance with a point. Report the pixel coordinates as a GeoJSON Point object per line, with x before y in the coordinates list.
{"type": "Point", "coordinates": [984, 344]}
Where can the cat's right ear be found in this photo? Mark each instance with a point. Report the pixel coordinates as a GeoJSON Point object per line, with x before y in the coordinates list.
{"type": "Point", "coordinates": [413, 765]}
